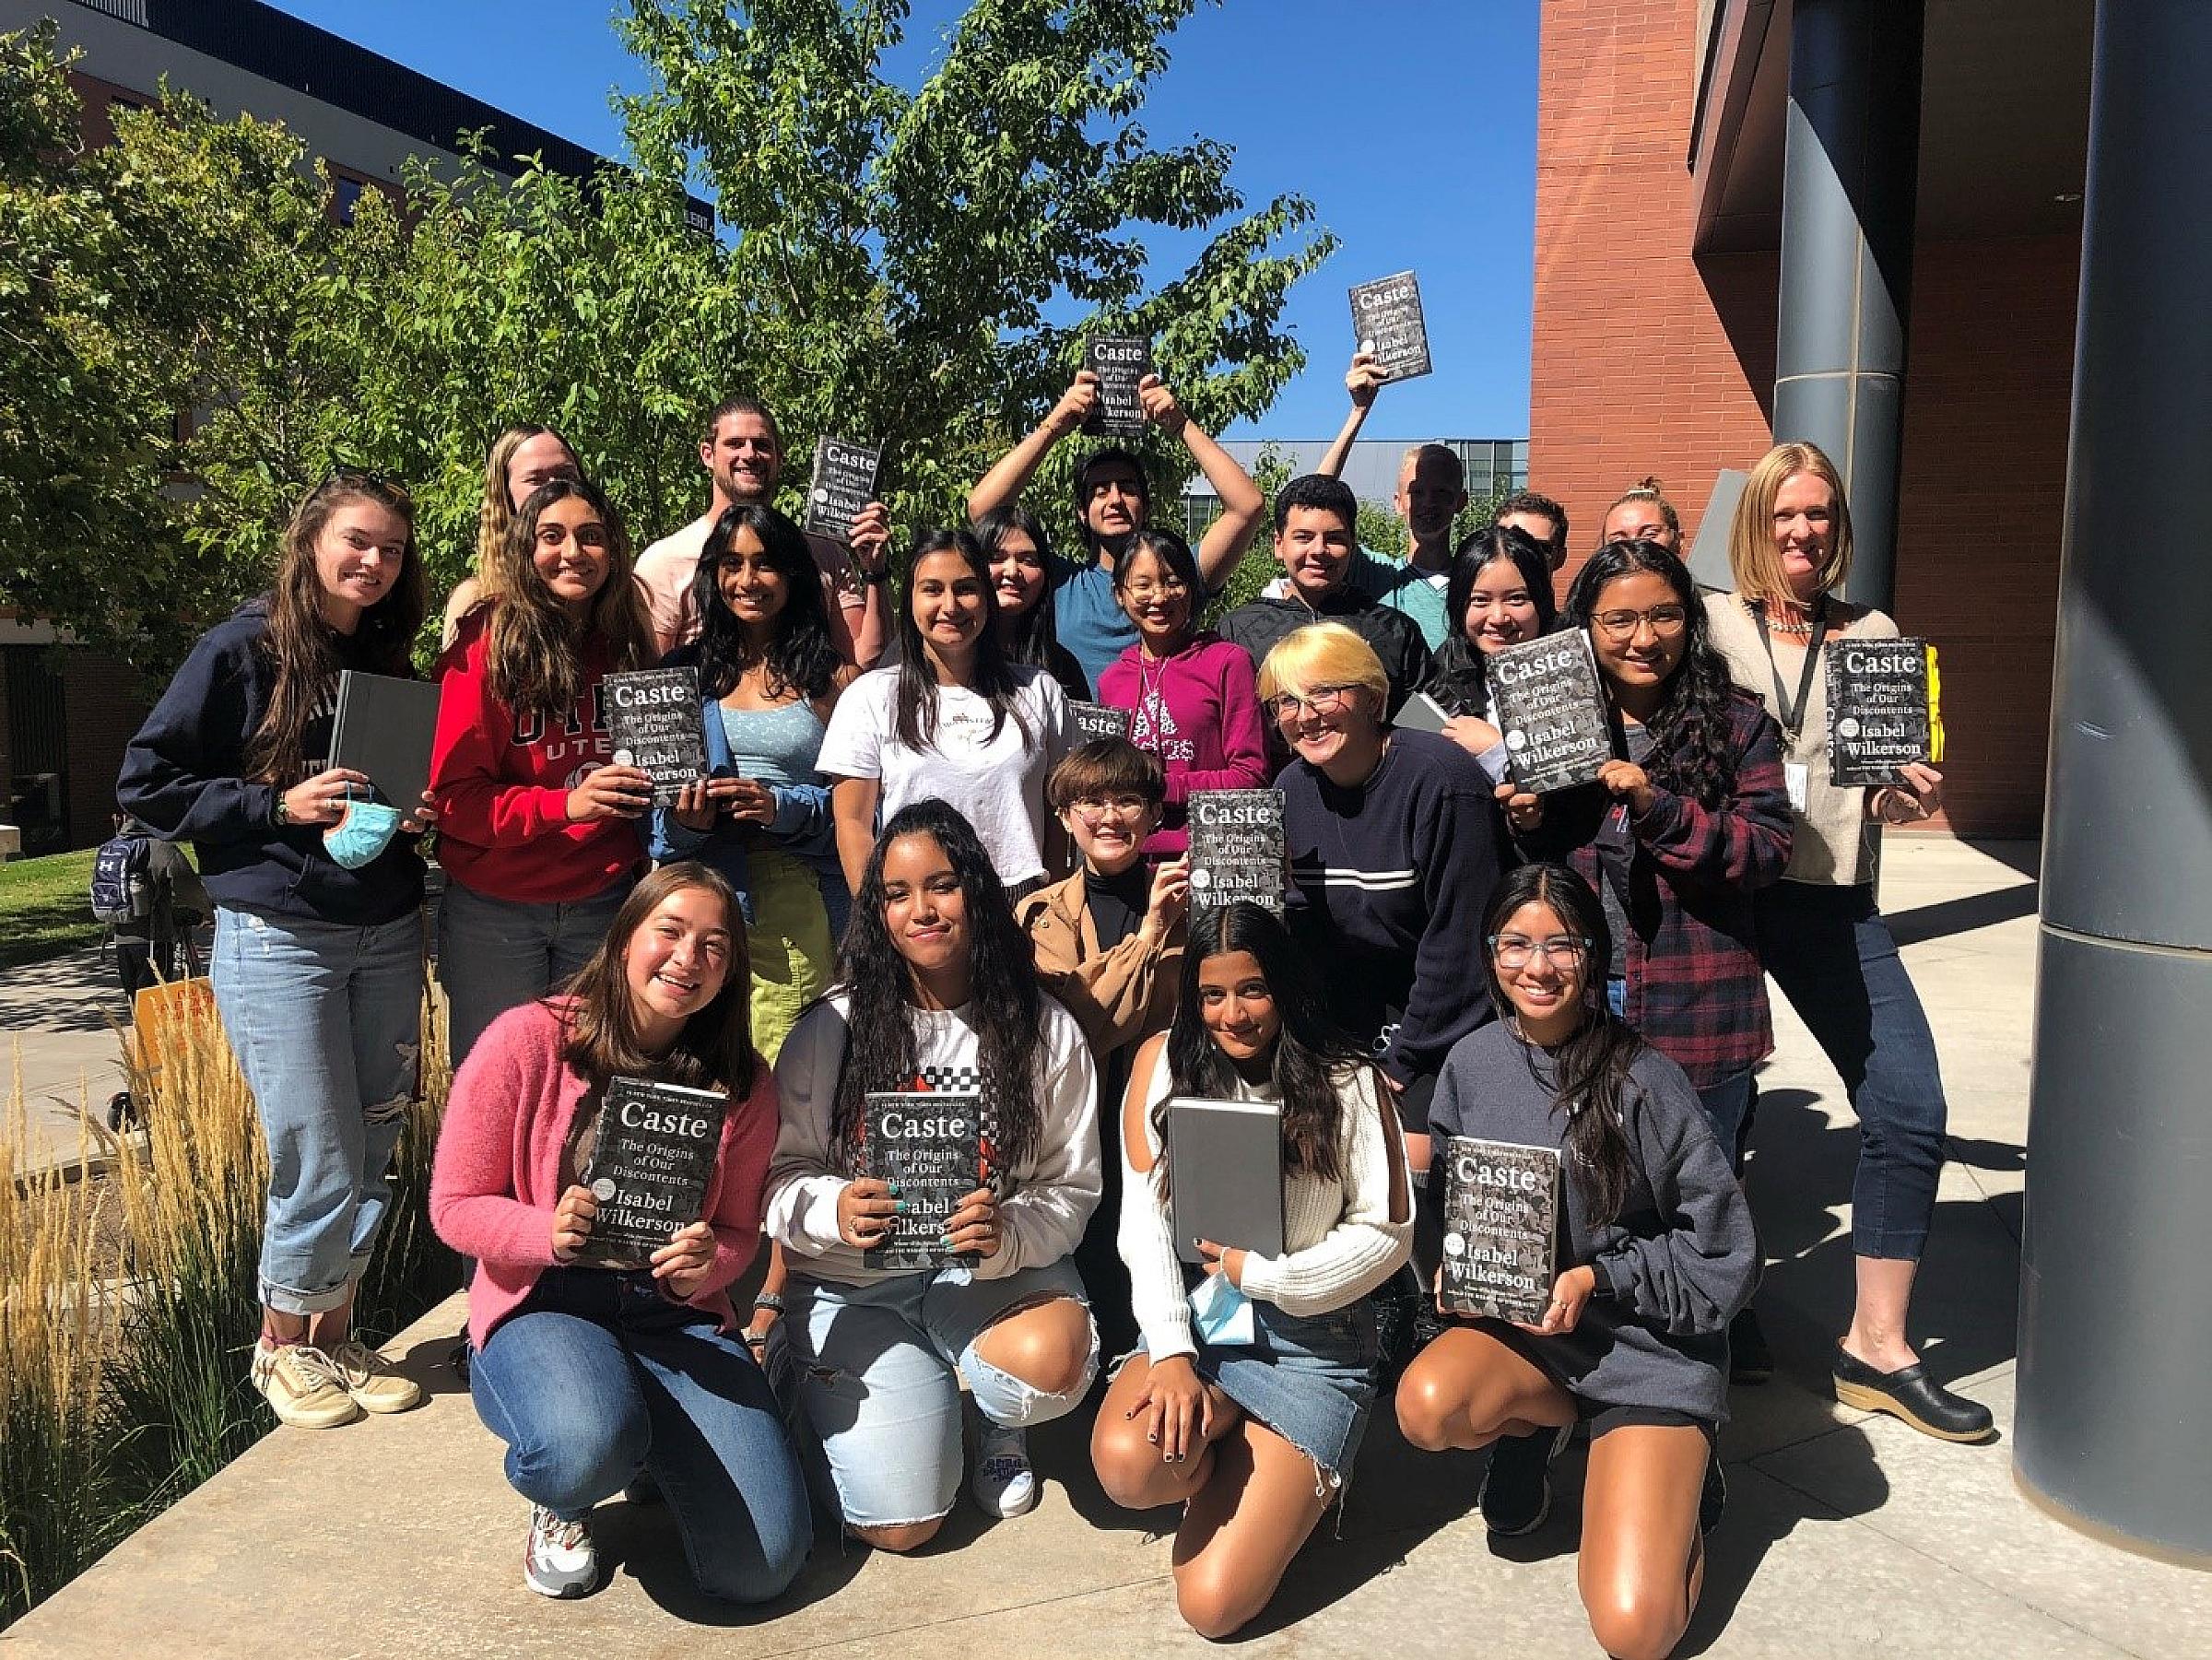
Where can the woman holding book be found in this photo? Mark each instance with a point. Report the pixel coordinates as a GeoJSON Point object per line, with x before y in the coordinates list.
{"type": "Point", "coordinates": [1395, 846]}
{"type": "Point", "coordinates": [1821, 935]}
{"type": "Point", "coordinates": [1659, 1252]}
{"type": "Point", "coordinates": [937, 996]}
{"type": "Point", "coordinates": [523, 459]}
{"type": "Point", "coordinates": [1252, 1431]}
{"type": "Point", "coordinates": [769, 677]}
{"type": "Point", "coordinates": [1499, 593]}
{"type": "Point", "coordinates": [1682, 826]}
{"type": "Point", "coordinates": [317, 967]}
{"type": "Point", "coordinates": [1014, 541]}
{"type": "Point", "coordinates": [540, 834]}
{"type": "Point", "coordinates": [1189, 693]}
{"type": "Point", "coordinates": [954, 719]}
{"type": "Point", "coordinates": [592, 1374]}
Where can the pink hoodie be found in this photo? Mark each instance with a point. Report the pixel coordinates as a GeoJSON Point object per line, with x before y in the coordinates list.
{"type": "Point", "coordinates": [1199, 712]}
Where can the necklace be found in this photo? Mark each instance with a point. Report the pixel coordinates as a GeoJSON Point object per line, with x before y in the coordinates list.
{"type": "Point", "coordinates": [1797, 626]}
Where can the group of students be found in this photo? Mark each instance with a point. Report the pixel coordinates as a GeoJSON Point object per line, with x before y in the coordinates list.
{"type": "Point", "coordinates": [905, 872]}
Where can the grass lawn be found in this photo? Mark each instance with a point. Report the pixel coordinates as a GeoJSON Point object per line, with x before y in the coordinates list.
{"type": "Point", "coordinates": [46, 907]}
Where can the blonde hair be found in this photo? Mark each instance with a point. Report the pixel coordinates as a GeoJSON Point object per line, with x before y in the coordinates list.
{"type": "Point", "coordinates": [1754, 564]}
{"type": "Point", "coordinates": [1323, 654]}
{"type": "Point", "coordinates": [496, 511]}
{"type": "Point", "coordinates": [1415, 454]}
{"type": "Point", "coordinates": [1646, 489]}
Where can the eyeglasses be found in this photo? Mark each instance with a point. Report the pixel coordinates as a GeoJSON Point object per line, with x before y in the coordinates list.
{"type": "Point", "coordinates": [1563, 950]}
{"type": "Point", "coordinates": [1322, 701]}
{"type": "Point", "coordinates": [1621, 625]}
{"type": "Point", "coordinates": [1168, 588]}
{"type": "Point", "coordinates": [1093, 810]}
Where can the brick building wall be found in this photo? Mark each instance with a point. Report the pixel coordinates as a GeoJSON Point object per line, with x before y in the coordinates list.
{"type": "Point", "coordinates": [1647, 361]}
{"type": "Point", "coordinates": [104, 707]}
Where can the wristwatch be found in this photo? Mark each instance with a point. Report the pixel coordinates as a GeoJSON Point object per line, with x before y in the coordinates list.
{"type": "Point", "coordinates": [875, 579]}
{"type": "Point", "coordinates": [769, 1300]}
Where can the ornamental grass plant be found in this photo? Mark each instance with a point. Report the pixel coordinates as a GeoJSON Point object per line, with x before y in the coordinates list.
{"type": "Point", "coordinates": [128, 1307]}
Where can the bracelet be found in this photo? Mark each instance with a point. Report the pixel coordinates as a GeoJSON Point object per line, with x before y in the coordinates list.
{"type": "Point", "coordinates": [281, 813]}
{"type": "Point", "coordinates": [769, 1300]}
{"type": "Point", "coordinates": [875, 579]}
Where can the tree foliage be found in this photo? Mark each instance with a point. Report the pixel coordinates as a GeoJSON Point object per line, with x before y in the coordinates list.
{"type": "Point", "coordinates": [911, 264]}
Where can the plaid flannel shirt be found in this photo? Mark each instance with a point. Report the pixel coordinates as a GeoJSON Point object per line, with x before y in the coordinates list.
{"type": "Point", "coordinates": [1695, 988]}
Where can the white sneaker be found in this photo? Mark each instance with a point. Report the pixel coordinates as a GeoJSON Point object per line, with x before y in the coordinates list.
{"type": "Point", "coordinates": [1004, 1484]}
{"type": "Point", "coordinates": [303, 1385]}
{"type": "Point", "coordinates": [367, 1377]}
{"type": "Point", "coordinates": [559, 1559]}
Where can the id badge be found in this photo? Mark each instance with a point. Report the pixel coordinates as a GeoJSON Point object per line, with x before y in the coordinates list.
{"type": "Point", "coordinates": [1794, 776]}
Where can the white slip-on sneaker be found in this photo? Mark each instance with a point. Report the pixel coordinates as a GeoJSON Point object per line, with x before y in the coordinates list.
{"type": "Point", "coordinates": [560, 1559]}
{"type": "Point", "coordinates": [1003, 1483]}
{"type": "Point", "coordinates": [301, 1386]}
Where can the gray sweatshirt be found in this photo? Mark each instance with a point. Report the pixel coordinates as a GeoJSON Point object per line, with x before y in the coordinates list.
{"type": "Point", "coordinates": [1672, 1269]}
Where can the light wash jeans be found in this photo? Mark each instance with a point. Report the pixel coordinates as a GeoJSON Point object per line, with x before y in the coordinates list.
{"type": "Point", "coordinates": [880, 1384]}
{"type": "Point", "coordinates": [326, 1022]}
{"type": "Point", "coordinates": [494, 955]}
{"type": "Point", "coordinates": [599, 1376]}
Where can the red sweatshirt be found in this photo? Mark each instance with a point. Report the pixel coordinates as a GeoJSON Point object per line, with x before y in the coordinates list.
{"type": "Point", "coordinates": [502, 784]}
{"type": "Point", "coordinates": [497, 1179]}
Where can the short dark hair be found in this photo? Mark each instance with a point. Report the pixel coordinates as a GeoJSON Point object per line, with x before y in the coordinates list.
{"type": "Point", "coordinates": [1170, 550]}
{"type": "Point", "coordinates": [741, 406]}
{"type": "Point", "coordinates": [1319, 490]}
{"type": "Point", "coordinates": [1111, 453]}
{"type": "Point", "coordinates": [1531, 502]}
{"type": "Point", "coordinates": [1106, 766]}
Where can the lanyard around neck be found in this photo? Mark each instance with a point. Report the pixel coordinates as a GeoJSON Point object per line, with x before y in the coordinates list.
{"type": "Point", "coordinates": [1792, 714]}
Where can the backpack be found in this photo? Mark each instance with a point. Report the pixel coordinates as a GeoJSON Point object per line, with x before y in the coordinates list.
{"type": "Point", "coordinates": [123, 887]}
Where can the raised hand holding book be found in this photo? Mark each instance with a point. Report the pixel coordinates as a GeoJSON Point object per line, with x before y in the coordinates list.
{"type": "Point", "coordinates": [1388, 324]}
{"type": "Point", "coordinates": [843, 483]}
{"type": "Point", "coordinates": [1120, 361]}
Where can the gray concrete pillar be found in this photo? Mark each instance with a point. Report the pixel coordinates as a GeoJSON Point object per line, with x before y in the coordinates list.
{"type": "Point", "coordinates": [1849, 175]}
{"type": "Point", "coordinates": [2116, 1357]}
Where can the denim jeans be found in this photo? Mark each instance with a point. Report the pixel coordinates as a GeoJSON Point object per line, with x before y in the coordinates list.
{"type": "Point", "coordinates": [1727, 1104]}
{"type": "Point", "coordinates": [599, 1376]}
{"type": "Point", "coordinates": [1834, 959]}
{"type": "Point", "coordinates": [880, 1386]}
{"type": "Point", "coordinates": [326, 1022]}
{"type": "Point", "coordinates": [494, 955]}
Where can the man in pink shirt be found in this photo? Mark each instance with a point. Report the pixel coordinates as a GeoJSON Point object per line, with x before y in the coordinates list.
{"type": "Point", "coordinates": [743, 453]}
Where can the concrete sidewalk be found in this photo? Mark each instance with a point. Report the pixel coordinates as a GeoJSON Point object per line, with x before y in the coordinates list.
{"type": "Point", "coordinates": [1844, 1536]}
{"type": "Point", "coordinates": [60, 1039]}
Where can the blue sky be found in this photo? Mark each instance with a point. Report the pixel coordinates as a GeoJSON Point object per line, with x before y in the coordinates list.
{"type": "Point", "coordinates": [1410, 123]}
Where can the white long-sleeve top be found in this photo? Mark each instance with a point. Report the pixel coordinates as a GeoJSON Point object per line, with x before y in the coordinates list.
{"type": "Point", "coordinates": [1340, 1236]}
{"type": "Point", "coordinates": [1043, 1205]}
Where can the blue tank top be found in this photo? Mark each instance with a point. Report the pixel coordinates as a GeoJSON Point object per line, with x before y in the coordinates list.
{"type": "Point", "coordinates": [775, 745]}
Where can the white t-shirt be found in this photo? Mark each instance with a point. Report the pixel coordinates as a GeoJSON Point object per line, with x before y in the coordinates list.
{"type": "Point", "coordinates": [997, 783]}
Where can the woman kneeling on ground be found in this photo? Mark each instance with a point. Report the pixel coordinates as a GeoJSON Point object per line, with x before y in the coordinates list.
{"type": "Point", "coordinates": [1254, 1437]}
{"type": "Point", "coordinates": [1660, 1253]}
{"type": "Point", "coordinates": [938, 991]}
{"type": "Point", "coordinates": [590, 1375]}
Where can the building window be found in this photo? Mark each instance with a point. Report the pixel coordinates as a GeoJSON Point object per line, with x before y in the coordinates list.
{"type": "Point", "coordinates": [345, 197]}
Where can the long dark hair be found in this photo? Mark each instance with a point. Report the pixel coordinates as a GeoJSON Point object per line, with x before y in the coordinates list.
{"type": "Point", "coordinates": [534, 658]}
{"type": "Point", "coordinates": [301, 646]}
{"type": "Point", "coordinates": [714, 1051]}
{"type": "Point", "coordinates": [993, 678]}
{"type": "Point", "coordinates": [1035, 634]}
{"type": "Point", "coordinates": [1006, 1007]}
{"type": "Point", "coordinates": [1691, 751]}
{"type": "Point", "coordinates": [1459, 668]}
{"type": "Point", "coordinates": [800, 658]}
{"type": "Point", "coordinates": [1590, 1070]}
{"type": "Point", "coordinates": [1312, 1055]}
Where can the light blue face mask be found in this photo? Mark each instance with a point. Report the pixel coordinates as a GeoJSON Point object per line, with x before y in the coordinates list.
{"type": "Point", "coordinates": [1221, 1314]}
{"type": "Point", "coordinates": [365, 832]}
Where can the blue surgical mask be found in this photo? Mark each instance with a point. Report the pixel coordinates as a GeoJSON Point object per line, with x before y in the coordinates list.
{"type": "Point", "coordinates": [1221, 1314]}
{"type": "Point", "coordinates": [365, 832]}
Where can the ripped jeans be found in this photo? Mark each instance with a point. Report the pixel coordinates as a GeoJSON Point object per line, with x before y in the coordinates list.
{"type": "Point", "coordinates": [326, 1022]}
{"type": "Point", "coordinates": [880, 1384]}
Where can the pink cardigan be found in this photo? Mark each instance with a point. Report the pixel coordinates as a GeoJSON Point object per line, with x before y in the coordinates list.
{"type": "Point", "coordinates": [497, 1177]}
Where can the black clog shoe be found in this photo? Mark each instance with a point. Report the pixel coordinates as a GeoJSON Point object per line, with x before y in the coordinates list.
{"type": "Point", "coordinates": [1910, 1394]}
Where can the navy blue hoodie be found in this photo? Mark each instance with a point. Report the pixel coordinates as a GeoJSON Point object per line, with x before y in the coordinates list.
{"type": "Point", "coordinates": [183, 775]}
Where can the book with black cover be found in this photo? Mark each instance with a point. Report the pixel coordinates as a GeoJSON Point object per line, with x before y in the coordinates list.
{"type": "Point", "coordinates": [1501, 1213]}
{"type": "Point", "coordinates": [385, 728]}
{"type": "Point", "coordinates": [1235, 847]}
{"type": "Point", "coordinates": [653, 1160]}
{"type": "Point", "coordinates": [1098, 720]}
{"type": "Point", "coordinates": [1119, 361]}
{"type": "Point", "coordinates": [1547, 703]}
{"type": "Point", "coordinates": [936, 1146]}
{"type": "Point", "coordinates": [1878, 716]}
{"type": "Point", "coordinates": [1386, 321]}
{"type": "Point", "coordinates": [1225, 1174]}
{"type": "Point", "coordinates": [845, 482]}
{"type": "Point", "coordinates": [654, 715]}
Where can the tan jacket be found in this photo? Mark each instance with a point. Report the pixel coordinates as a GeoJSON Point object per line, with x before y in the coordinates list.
{"type": "Point", "coordinates": [1117, 996]}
